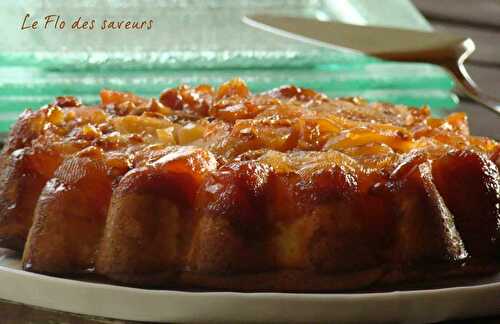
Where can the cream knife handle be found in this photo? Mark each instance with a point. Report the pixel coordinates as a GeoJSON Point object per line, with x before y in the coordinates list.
{"type": "Point", "coordinates": [471, 89]}
{"type": "Point", "coordinates": [451, 57]}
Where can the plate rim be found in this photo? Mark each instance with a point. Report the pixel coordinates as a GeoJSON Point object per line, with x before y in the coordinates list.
{"type": "Point", "coordinates": [85, 297]}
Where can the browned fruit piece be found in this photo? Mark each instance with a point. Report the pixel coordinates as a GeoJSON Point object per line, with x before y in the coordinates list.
{"type": "Point", "coordinates": [23, 174]}
{"type": "Point", "coordinates": [470, 185]}
{"type": "Point", "coordinates": [232, 230]}
{"type": "Point", "coordinates": [148, 225]}
{"type": "Point", "coordinates": [70, 217]}
{"type": "Point", "coordinates": [425, 232]}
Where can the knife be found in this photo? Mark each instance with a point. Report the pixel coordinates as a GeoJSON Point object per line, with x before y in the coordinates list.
{"type": "Point", "coordinates": [447, 50]}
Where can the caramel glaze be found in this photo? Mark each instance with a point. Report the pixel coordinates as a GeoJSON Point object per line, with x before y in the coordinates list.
{"type": "Point", "coordinates": [283, 190]}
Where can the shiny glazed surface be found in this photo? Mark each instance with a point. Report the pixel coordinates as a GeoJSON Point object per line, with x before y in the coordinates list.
{"type": "Point", "coordinates": [221, 188]}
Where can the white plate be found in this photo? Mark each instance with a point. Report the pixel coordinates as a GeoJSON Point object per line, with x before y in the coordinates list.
{"type": "Point", "coordinates": [479, 298]}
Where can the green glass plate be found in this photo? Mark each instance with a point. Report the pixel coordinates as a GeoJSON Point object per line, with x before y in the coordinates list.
{"type": "Point", "coordinates": [183, 34]}
{"type": "Point", "coordinates": [200, 42]}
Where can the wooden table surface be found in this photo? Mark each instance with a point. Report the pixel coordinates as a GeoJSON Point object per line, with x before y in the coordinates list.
{"type": "Point", "coordinates": [479, 20]}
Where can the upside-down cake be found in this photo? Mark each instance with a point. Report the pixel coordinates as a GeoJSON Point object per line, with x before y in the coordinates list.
{"type": "Point", "coordinates": [286, 190]}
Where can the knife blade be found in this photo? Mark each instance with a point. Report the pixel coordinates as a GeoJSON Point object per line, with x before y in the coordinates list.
{"type": "Point", "coordinates": [382, 42]}
{"type": "Point", "coordinates": [447, 50]}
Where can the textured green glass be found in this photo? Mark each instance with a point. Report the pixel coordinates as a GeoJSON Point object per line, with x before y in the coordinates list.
{"type": "Point", "coordinates": [402, 83]}
{"type": "Point", "coordinates": [409, 83]}
{"type": "Point", "coordinates": [197, 42]}
{"type": "Point", "coordinates": [185, 33]}
{"type": "Point", "coordinates": [376, 75]}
